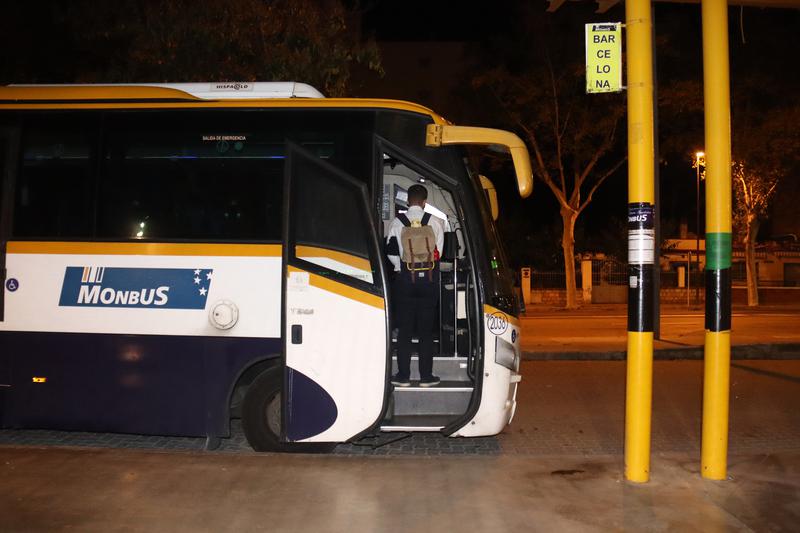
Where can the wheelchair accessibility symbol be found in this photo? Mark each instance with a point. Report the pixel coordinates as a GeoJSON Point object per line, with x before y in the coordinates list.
{"type": "Point", "coordinates": [12, 284]}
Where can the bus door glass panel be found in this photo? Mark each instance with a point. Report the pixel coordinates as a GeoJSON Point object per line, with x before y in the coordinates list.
{"type": "Point", "coordinates": [335, 320]}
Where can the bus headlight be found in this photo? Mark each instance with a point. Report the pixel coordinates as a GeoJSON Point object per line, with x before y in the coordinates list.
{"type": "Point", "coordinates": [505, 354]}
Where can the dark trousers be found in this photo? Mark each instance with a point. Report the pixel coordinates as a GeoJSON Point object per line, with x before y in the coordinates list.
{"type": "Point", "coordinates": [415, 316]}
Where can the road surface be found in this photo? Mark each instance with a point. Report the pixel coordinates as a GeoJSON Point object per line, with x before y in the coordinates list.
{"type": "Point", "coordinates": [564, 331]}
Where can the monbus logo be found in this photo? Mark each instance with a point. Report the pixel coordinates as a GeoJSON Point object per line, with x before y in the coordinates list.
{"type": "Point", "coordinates": [167, 288]}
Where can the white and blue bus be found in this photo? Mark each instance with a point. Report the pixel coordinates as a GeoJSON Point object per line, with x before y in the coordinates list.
{"type": "Point", "coordinates": [177, 256]}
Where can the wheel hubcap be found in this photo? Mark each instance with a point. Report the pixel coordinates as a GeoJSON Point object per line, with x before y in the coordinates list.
{"type": "Point", "coordinates": [273, 413]}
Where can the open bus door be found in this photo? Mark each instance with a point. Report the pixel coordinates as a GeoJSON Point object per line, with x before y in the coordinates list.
{"type": "Point", "coordinates": [335, 327]}
{"type": "Point", "coordinates": [7, 138]}
{"type": "Point", "coordinates": [8, 142]}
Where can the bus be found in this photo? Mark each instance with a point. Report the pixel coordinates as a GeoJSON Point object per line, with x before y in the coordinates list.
{"type": "Point", "coordinates": [178, 256]}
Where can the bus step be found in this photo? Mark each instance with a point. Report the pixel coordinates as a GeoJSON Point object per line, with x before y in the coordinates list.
{"type": "Point", "coordinates": [447, 398]}
{"type": "Point", "coordinates": [447, 368]}
{"type": "Point", "coordinates": [417, 422]}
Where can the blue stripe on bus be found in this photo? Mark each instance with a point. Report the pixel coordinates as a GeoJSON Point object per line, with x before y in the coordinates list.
{"type": "Point", "coordinates": [148, 384]}
{"type": "Point", "coordinates": [310, 409]}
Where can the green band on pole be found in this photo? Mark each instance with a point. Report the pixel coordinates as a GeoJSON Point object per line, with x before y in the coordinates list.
{"type": "Point", "coordinates": [718, 251]}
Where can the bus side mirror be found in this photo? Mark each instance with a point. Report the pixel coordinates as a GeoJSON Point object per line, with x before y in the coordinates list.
{"type": "Point", "coordinates": [450, 247]}
{"type": "Point", "coordinates": [443, 135]}
{"type": "Point", "coordinates": [491, 195]}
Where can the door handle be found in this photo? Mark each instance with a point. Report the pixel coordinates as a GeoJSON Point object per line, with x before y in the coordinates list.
{"type": "Point", "coordinates": [297, 334]}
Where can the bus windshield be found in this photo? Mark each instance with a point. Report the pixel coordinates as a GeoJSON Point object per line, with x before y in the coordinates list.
{"type": "Point", "coordinates": [499, 284]}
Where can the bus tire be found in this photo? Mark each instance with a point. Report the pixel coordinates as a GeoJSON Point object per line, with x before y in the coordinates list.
{"type": "Point", "coordinates": [261, 417]}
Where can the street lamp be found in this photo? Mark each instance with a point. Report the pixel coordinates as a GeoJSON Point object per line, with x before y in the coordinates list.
{"type": "Point", "coordinates": [699, 159]}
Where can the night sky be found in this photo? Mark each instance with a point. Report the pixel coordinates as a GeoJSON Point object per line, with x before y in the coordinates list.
{"type": "Point", "coordinates": [415, 20]}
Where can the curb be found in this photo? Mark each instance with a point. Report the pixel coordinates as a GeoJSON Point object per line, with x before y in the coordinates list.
{"type": "Point", "coordinates": [740, 351]}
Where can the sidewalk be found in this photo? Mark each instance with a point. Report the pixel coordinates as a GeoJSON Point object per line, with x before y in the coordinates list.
{"type": "Point", "coordinates": [559, 466]}
{"type": "Point", "coordinates": [110, 490]}
{"type": "Point", "coordinates": [599, 332]}
{"type": "Point", "coordinates": [533, 310]}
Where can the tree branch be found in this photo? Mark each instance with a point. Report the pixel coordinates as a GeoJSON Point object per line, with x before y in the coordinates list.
{"type": "Point", "coordinates": [600, 182]}
{"type": "Point", "coordinates": [557, 126]}
{"type": "Point", "coordinates": [601, 150]}
{"type": "Point", "coordinates": [544, 174]}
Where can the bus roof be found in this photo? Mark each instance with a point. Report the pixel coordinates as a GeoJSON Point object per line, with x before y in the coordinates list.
{"type": "Point", "coordinates": [189, 95]}
{"type": "Point", "coordinates": [209, 90]}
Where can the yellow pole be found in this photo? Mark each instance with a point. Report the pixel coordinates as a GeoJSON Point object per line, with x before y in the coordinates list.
{"type": "Point", "coordinates": [638, 406]}
{"type": "Point", "coordinates": [716, 87]}
{"type": "Point", "coordinates": [641, 240]}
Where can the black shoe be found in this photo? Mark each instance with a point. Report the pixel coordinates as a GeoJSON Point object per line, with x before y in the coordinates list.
{"type": "Point", "coordinates": [429, 382]}
{"type": "Point", "coordinates": [399, 381]}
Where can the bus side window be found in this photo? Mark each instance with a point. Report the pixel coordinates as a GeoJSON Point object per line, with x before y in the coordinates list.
{"type": "Point", "coordinates": [191, 176]}
{"type": "Point", "coordinates": [55, 185]}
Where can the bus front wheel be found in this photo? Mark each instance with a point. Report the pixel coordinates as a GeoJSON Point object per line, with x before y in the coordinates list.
{"type": "Point", "coordinates": [261, 417]}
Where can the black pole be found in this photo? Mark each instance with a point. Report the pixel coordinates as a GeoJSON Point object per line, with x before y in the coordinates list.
{"type": "Point", "coordinates": [656, 193]}
{"type": "Point", "coordinates": [697, 234]}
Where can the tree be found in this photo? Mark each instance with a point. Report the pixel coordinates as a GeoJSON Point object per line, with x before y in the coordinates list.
{"type": "Point", "coordinates": [752, 193]}
{"type": "Point", "coordinates": [573, 137]}
{"type": "Point", "coordinates": [765, 109]}
{"type": "Point", "coordinates": [184, 41]}
{"type": "Point", "coordinates": [765, 146]}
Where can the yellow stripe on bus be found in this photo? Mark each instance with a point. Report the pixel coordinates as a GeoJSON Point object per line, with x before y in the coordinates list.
{"type": "Point", "coordinates": [143, 248]}
{"type": "Point", "coordinates": [28, 99]}
{"type": "Point", "coordinates": [303, 252]}
{"type": "Point", "coordinates": [489, 310]}
{"type": "Point", "coordinates": [92, 92]}
{"type": "Point", "coordinates": [341, 289]}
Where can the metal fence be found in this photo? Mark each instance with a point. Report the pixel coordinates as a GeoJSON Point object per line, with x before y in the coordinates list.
{"type": "Point", "coordinates": [670, 280]}
{"type": "Point", "coordinates": [609, 272]}
{"type": "Point", "coordinates": [553, 279]}
{"type": "Point", "coordinates": [767, 283]}
{"type": "Point", "coordinates": [616, 273]}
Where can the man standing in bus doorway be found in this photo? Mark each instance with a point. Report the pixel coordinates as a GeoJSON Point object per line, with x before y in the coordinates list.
{"type": "Point", "coordinates": [413, 245]}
